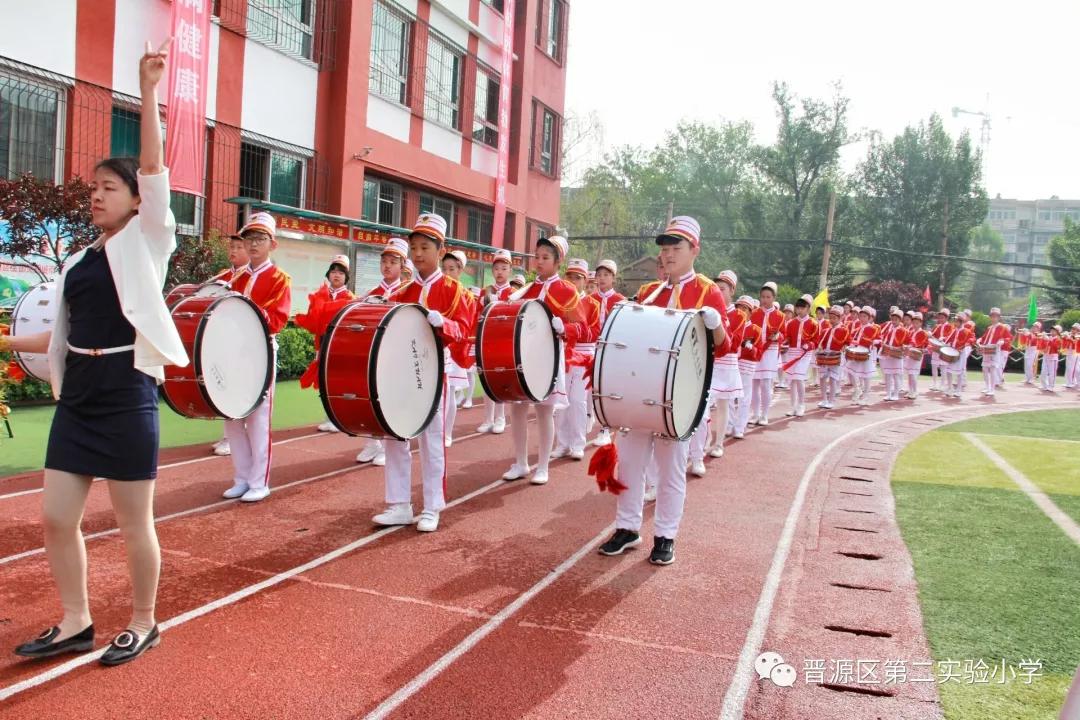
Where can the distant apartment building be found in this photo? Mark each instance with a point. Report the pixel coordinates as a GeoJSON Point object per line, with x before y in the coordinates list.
{"type": "Point", "coordinates": [1027, 227]}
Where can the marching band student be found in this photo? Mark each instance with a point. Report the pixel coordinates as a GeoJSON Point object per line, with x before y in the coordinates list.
{"type": "Point", "coordinates": [1050, 360]}
{"type": "Point", "coordinates": [821, 317]}
{"type": "Point", "coordinates": [726, 381]}
{"type": "Point", "coordinates": [393, 262]}
{"type": "Point", "coordinates": [562, 299]}
{"type": "Point", "coordinates": [770, 319]}
{"type": "Point", "coordinates": [270, 288]}
{"type": "Point", "coordinates": [800, 334]}
{"type": "Point", "coordinates": [1072, 349]}
{"type": "Point", "coordinates": [832, 340]}
{"type": "Point", "coordinates": [408, 271]}
{"type": "Point", "coordinates": [454, 263]}
{"type": "Point", "coordinates": [111, 340]}
{"type": "Point", "coordinates": [238, 263]}
{"type": "Point", "coordinates": [499, 291]}
{"type": "Point", "coordinates": [608, 297]}
{"type": "Point", "coordinates": [646, 288]}
{"type": "Point", "coordinates": [450, 312]}
{"type": "Point", "coordinates": [996, 336]}
{"type": "Point", "coordinates": [322, 305]}
{"type": "Point", "coordinates": [781, 373]}
{"type": "Point", "coordinates": [517, 282]}
{"type": "Point", "coordinates": [751, 344]}
{"type": "Point", "coordinates": [571, 423]}
{"type": "Point", "coordinates": [850, 320]}
{"type": "Point", "coordinates": [893, 339]}
{"type": "Point", "coordinates": [590, 284]}
{"type": "Point", "coordinates": [864, 334]}
{"type": "Point", "coordinates": [1029, 343]}
{"type": "Point", "coordinates": [680, 244]}
{"type": "Point", "coordinates": [471, 371]}
{"type": "Point", "coordinates": [960, 338]}
{"type": "Point", "coordinates": [937, 366]}
{"type": "Point", "coordinates": [917, 339]}
{"type": "Point", "coordinates": [969, 347]}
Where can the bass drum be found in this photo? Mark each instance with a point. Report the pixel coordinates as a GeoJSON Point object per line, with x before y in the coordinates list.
{"type": "Point", "coordinates": [652, 370]}
{"type": "Point", "coordinates": [35, 313]}
{"type": "Point", "coordinates": [214, 288]}
{"type": "Point", "coordinates": [517, 352]}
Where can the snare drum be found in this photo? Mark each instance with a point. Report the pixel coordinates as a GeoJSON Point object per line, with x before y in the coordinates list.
{"type": "Point", "coordinates": [232, 366]}
{"type": "Point", "coordinates": [948, 353]}
{"type": "Point", "coordinates": [381, 370]}
{"type": "Point", "coordinates": [34, 313]}
{"type": "Point", "coordinates": [652, 370]}
{"type": "Point", "coordinates": [827, 358]}
{"type": "Point", "coordinates": [913, 353]}
{"type": "Point", "coordinates": [935, 344]}
{"type": "Point", "coordinates": [214, 288]}
{"type": "Point", "coordinates": [517, 352]}
{"type": "Point", "coordinates": [988, 350]}
{"type": "Point", "coordinates": [857, 353]}
{"type": "Point", "coordinates": [892, 351]}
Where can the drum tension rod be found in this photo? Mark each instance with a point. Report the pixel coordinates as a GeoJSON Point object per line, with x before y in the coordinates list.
{"type": "Point", "coordinates": [620, 345]}
{"type": "Point", "coordinates": [652, 403]}
{"type": "Point", "coordinates": [670, 351]}
{"type": "Point", "coordinates": [611, 396]}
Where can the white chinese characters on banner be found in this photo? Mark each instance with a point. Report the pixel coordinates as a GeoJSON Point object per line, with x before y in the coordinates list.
{"type": "Point", "coordinates": [186, 97]}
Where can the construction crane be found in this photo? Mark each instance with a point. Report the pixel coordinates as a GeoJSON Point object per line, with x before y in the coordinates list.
{"type": "Point", "coordinates": [984, 129]}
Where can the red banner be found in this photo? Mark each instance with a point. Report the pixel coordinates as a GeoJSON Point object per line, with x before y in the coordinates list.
{"type": "Point", "coordinates": [188, 63]}
{"type": "Point", "coordinates": [499, 224]}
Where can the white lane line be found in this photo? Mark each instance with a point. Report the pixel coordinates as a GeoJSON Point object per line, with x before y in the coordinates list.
{"type": "Point", "coordinates": [219, 503]}
{"type": "Point", "coordinates": [420, 681]}
{"type": "Point", "coordinates": [184, 462]}
{"type": "Point", "coordinates": [74, 664]}
{"type": "Point", "coordinates": [1034, 493]}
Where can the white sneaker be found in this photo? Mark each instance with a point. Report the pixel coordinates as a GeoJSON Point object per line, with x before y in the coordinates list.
{"type": "Point", "coordinates": [763, 421]}
{"type": "Point", "coordinates": [823, 404]}
{"type": "Point", "coordinates": [864, 403]}
{"type": "Point", "coordinates": [800, 411]}
{"type": "Point", "coordinates": [697, 468]}
{"type": "Point", "coordinates": [753, 420]}
{"type": "Point", "coordinates": [367, 454]}
{"type": "Point", "coordinates": [790, 413]}
{"type": "Point", "coordinates": [650, 494]}
{"type": "Point", "coordinates": [222, 449]}
{"type": "Point", "coordinates": [465, 405]}
{"type": "Point", "coordinates": [540, 477]}
{"type": "Point", "coordinates": [577, 454]}
{"type": "Point", "coordinates": [499, 427]}
{"type": "Point", "coordinates": [516, 472]}
{"type": "Point", "coordinates": [237, 490]}
{"type": "Point", "coordinates": [738, 435]}
{"type": "Point", "coordinates": [485, 428]}
{"type": "Point", "coordinates": [428, 521]}
{"type": "Point", "coordinates": [603, 438]}
{"type": "Point", "coordinates": [559, 452]}
{"type": "Point", "coordinates": [397, 514]}
{"type": "Point", "coordinates": [717, 452]}
{"type": "Point", "coordinates": [592, 424]}
{"type": "Point", "coordinates": [255, 494]}
{"type": "Point", "coordinates": [328, 427]}
{"type": "Point", "coordinates": [380, 460]}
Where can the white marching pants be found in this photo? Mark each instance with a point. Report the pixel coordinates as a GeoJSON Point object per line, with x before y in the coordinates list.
{"type": "Point", "coordinates": [572, 423]}
{"type": "Point", "coordinates": [1049, 371]}
{"type": "Point", "coordinates": [249, 441]}
{"type": "Point", "coordinates": [1031, 358]}
{"type": "Point", "coordinates": [670, 456]}
{"type": "Point", "coordinates": [742, 417]}
{"type": "Point", "coordinates": [432, 464]}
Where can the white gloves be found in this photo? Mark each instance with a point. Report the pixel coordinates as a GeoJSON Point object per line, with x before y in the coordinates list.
{"type": "Point", "coordinates": [435, 318]}
{"type": "Point", "coordinates": [711, 317]}
{"type": "Point", "coordinates": [557, 325]}
{"type": "Point", "coordinates": [491, 298]}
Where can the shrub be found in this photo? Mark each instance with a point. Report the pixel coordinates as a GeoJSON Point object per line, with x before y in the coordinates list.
{"type": "Point", "coordinates": [296, 349]}
{"type": "Point", "coordinates": [1068, 318]}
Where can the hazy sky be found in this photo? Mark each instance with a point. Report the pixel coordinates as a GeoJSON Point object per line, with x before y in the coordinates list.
{"type": "Point", "coordinates": [641, 65]}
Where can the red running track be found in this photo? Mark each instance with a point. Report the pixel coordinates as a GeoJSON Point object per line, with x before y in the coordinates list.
{"type": "Point", "coordinates": [299, 607]}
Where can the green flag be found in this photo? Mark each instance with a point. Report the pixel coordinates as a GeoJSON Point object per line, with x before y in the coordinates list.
{"type": "Point", "coordinates": [1033, 310]}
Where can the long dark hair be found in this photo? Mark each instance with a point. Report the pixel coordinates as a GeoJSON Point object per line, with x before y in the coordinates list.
{"type": "Point", "coordinates": [124, 167]}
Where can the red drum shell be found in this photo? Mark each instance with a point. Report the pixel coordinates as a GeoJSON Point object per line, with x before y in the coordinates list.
{"type": "Point", "coordinates": [179, 292]}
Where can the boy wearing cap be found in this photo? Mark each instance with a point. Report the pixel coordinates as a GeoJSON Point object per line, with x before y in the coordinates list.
{"type": "Point", "coordinates": [937, 366]}
{"type": "Point", "coordinates": [1030, 345]}
{"type": "Point", "coordinates": [680, 244]}
{"type": "Point", "coordinates": [917, 340]}
{"type": "Point", "coordinates": [751, 343]}
{"type": "Point", "coordinates": [832, 340]}
{"type": "Point", "coordinates": [800, 336]}
{"type": "Point", "coordinates": [1050, 359]}
{"type": "Point", "coordinates": [893, 339]}
{"type": "Point", "coordinates": [996, 337]}
{"type": "Point", "coordinates": [499, 291]}
{"type": "Point", "coordinates": [770, 319]}
{"type": "Point", "coordinates": [323, 304]}
{"type": "Point", "coordinates": [517, 282]}
{"type": "Point", "coordinates": [450, 313]}
{"type": "Point", "coordinates": [270, 288]}
{"type": "Point", "coordinates": [1071, 344]}
{"type": "Point", "coordinates": [238, 263]}
{"type": "Point", "coordinates": [608, 298]}
{"type": "Point", "coordinates": [572, 423]}
{"type": "Point", "coordinates": [864, 334]}
{"type": "Point", "coordinates": [960, 338]}
{"type": "Point", "coordinates": [726, 381]}
{"type": "Point", "coordinates": [456, 354]}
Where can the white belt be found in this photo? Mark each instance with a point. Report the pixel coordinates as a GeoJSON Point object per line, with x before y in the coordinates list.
{"type": "Point", "coordinates": [97, 352]}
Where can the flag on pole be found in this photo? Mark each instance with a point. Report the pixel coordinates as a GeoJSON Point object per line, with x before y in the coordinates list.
{"type": "Point", "coordinates": [1033, 310]}
{"type": "Point", "coordinates": [822, 300]}
{"type": "Point", "coordinates": [926, 295]}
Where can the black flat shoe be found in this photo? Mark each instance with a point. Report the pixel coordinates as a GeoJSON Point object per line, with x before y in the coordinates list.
{"type": "Point", "coordinates": [43, 646]}
{"type": "Point", "coordinates": [127, 646]}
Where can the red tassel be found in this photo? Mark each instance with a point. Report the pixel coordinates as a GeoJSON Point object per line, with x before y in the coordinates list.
{"type": "Point", "coordinates": [603, 466]}
{"type": "Point", "coordinates": [15, 372]}
{"type": "Point", "coordinates": [310, 378]}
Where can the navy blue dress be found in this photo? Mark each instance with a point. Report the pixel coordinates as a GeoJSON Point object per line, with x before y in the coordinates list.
{"type": "Point", "coordinates": [106, 423]}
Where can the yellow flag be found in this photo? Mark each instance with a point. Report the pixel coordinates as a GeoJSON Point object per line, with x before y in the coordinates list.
{"type": "Point", "coordinates": [822, 300]}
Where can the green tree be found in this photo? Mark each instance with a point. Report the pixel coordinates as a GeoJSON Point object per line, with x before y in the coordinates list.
{"type": "Point", "coordinates": [905, 186]}
{"type": "Point", "coordinates": [1065, 253]}
{"type": "Point", "coordinates": [983, 290]}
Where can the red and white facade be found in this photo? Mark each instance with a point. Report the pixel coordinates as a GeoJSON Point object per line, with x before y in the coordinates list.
{"type": "Point", "coordinates": [345, 110]}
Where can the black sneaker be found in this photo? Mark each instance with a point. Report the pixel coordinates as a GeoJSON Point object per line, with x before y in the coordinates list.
{"type": "Point", "coordinates": [620, 542]}
{"type": "Point", "coordinates": [663, 551]}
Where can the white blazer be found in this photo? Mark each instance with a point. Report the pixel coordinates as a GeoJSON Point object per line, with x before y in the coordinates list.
{"type": "Point", "coordinates": [139, 260]}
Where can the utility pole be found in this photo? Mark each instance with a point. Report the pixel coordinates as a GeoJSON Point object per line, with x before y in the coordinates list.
{"type": "Point", "coordinates": [823, 280]}
{"type": "Point", "coordinates": [944, 251]}
{"type": "Point", "coordinates": [670, 211]}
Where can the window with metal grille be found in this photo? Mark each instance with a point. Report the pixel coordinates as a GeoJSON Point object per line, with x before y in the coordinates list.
{"type": "Point", "coordinates": [283, 24]}
{"type": "Point", "coordinates": [30, 128]}
{"type": "Point", "coordinates": [271, 175]}
{"type": "Point", "coordinates": [442, 90]}
{"type": "Point", "coordinates": [497, 4]}
{"type": "Point", "coordinates": [555, 15]}
{"type": "Point", "coordinates": [480, 224]}
{"type": "Point", "coordinates": [486, 117]}
{"type": "Point", "coordinates": [388, 73]}
{"type": "Point", "coordinates": [440, 206]}
{"type": "Point", "coordinates": [382, 202]}
{"type": "Point", "coordinates": [547, 143]}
